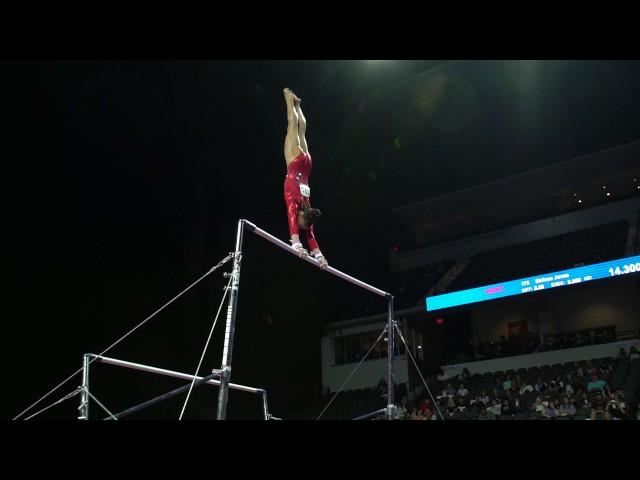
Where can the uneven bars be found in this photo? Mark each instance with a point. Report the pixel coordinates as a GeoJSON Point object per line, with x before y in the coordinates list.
{"type": "Point", "coordinates": [279, 243]}
{"type": "Point", "coordinates": [168, 373]}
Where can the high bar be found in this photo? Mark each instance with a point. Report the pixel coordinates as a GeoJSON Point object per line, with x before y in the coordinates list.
{"type": "Point", "coordinates": [168, 373]}
{"type": "Point", "coordinates": [279, 243]}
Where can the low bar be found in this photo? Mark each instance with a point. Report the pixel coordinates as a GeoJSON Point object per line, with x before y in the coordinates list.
{"type": "Point", "coordinates": [371, 415]}
{"type": "Point", "coordinates": [279, 243]}
{"type": "Point", "coordinates": [168, 373]}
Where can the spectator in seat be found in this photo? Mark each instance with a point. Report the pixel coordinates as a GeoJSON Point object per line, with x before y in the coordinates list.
{"type": "Point", "coordinates": [443, 395]}
{"type": "Point", "coordinates": [596, 383]}
{"type": "Point", "coordinates": [568, 379]}
{"type": "Point", "coordinates": [510, 397]}
{"type": "Point", "coordinates": [496, 408]}
{"type": "Point", "coordinates": [568, 389]}
{"type": "Point", "coordinates": [579, 383]}
{"type": "Point", "coordinates": [621, 354]}
{"type": "Point", "coordinates": [614, 410]}
{"type": "Point", "coordinates": [525, 388]}
{"type": "Point", "coordinates": [506, 385]}
{"type": "Point", "coordinates": [550, 410]}
{"type": "Point", "coordinates": [506, 408]}
{"type": "Point", "coordinates": [585, 403]}
{"type": "Point", "coordinates": [633, 353]}
{"type": "Point", "coordinates": [606, 369]}
{"type": "Point", "coordinates": [462, 392]}
{"type": "Point", "coordinates": [567, 409]}
{"type": "Point", "coordinates": [617, 405]}
{"type": "Point", "coordinates": [518, 407]}
{"type": "Point", "coordinates": [483, 414]}
{"type": "Point", "coordinates": [599, 405]}
{"type": "Point", "coordinates": [620, 396]}
{"type": "Point", "coordinates": [450, 390]}
{"type": "Point", "coordinates": [588, 369]}
{"type": "Point", "coordinates": [608, 393]}
{"type": "Point", "coordinates": [516, 384]}
{"type": "Point", "coordinates": [465, 375]}
{"type": "Point", "coordinates": [415, 415]}
{"type": "Point", "coordinates": [540, 386]}
{"type": "Point", "coordinates": [554, 387]}
{"type": "Point", "coordinates": [538, 406]}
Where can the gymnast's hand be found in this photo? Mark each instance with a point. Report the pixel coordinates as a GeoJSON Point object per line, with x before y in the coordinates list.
{"type": "Point", "coordinates": [297, 246]}
{"type": "Point", "coordinates": [317, 254]}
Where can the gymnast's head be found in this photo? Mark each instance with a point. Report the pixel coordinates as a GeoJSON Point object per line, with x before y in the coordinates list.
{"type": "Point", "coordinates": [307, 217]}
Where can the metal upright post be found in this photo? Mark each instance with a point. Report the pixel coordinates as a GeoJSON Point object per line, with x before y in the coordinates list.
{"type": "Point", "coordinates": [225, 375]}
{"type": "Point", "coordinates": [84, 394]}
{"type": "Point", "coordinates": [265, 405]}
{"type": "Point", "coordinates": [390, 360]}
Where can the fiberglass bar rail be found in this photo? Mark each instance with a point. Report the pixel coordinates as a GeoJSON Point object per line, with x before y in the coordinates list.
{"type": "Point", "coordinates": [169, 373]}
{"type": "Point", "coordinates": [279, 243]}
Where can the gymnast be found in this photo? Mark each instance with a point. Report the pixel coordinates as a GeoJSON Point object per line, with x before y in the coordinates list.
{"type": "Point", "coordinates": [297, 194]}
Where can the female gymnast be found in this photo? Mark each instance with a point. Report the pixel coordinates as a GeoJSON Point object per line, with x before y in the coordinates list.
{"type": "Point", "coordinates": [297, 194]}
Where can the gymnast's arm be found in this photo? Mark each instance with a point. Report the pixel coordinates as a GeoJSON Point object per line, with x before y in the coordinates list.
{"type": "Point", "coordinates": [315, 248]}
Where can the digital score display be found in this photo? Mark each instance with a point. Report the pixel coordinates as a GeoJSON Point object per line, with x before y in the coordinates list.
{"type": "Point", "coordinates": [563, 278]}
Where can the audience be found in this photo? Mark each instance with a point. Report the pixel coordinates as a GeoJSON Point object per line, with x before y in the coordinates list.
{"type": "Point", "coordinates": [567, 396]}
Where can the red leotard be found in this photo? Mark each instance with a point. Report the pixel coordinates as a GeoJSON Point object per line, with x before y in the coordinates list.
{"type": "Point", "coordinates": [298, 172]}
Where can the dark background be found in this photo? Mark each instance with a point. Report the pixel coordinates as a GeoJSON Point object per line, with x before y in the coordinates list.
{"type": "Point", "coordinates": [128, 178]}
